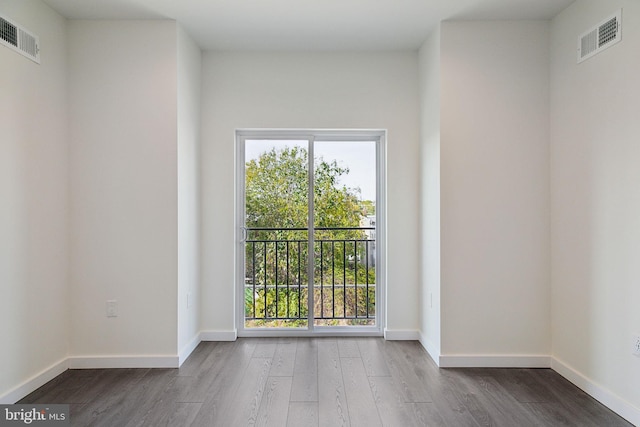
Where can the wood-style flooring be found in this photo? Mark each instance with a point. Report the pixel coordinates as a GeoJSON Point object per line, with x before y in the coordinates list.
{"type": "Point", "coordinates": [320, 382]}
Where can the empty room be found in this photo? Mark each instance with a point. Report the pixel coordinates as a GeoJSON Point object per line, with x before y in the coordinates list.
{"type": "Point", "coordinates": [320, 213]}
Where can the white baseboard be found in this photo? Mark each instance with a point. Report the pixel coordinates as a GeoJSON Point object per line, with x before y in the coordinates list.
{"type": "Point", "coordinates": [219, 335]}
{"type": "Point", "coordinates": [494, 361]}
{"type": "Point", "coordinates": [110, 362]}
{"type": "Point", "coordinates": [401, 335]}
{"type": "Point", "coordinates": [618, 405]}
{"type": "Point", "coordinates": [33, 383]}
{"type": "Point", "coordinates": [188, 349]}
{"type": "Point", "coordinates": [431, 349]}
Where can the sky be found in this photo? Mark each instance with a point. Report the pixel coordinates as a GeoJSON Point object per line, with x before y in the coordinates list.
{"type": "Point", "coordinates": [358, 157]}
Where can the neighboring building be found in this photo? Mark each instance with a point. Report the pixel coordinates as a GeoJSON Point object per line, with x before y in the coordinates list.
{"type": "Point", "coordinates": [365, 222]}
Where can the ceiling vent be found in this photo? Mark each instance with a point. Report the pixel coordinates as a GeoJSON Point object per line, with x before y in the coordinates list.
{"type": "Point", "coordinates": [19, 39]}
{"type": "Point", "coordinates": [602, 36]}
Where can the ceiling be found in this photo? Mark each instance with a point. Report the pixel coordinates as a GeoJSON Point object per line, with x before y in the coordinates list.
{"type": "Point", "coordinates": [309, 25]}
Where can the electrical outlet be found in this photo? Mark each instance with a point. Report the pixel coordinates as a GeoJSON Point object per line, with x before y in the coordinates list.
{"type": "Point", "coordinates": [112, 308]}
{"type": "Point", "coordinates": [636, 345]}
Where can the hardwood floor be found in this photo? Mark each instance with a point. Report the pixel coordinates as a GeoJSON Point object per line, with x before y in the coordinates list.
{"type": "Point", "coordinates": [320, 382]}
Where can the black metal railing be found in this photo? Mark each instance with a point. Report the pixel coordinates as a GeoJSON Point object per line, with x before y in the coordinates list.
{"type": "Point", "coordinates": [277, 276]}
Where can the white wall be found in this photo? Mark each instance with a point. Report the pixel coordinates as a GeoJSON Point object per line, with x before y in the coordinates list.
{"type": "Point", "coordinates": [494, 160]}
{"type": "Point", "coordinates": [595, 207]}
{"type": "Point", "coordinates": [304, 90]}
{"type": "Point", "coordinates": [430, 85]}
{"type": "Point", "coordinates": [33, 200]}
{"type": "Point", "coordinates": [189, 88]}
{"type": "Point", "coordinates": [123, 175]}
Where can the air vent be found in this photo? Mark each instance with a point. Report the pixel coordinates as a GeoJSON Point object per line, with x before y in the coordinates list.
{"type": "Point", "coordinates": [602, 36]}
{"type": "Point", "coordinates": [19, 39]}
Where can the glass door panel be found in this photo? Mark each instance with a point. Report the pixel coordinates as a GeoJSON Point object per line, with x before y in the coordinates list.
{"type": "Point", "coordinates": [276, 237]}
{"type": "Point", "coordinates": [344, 231]}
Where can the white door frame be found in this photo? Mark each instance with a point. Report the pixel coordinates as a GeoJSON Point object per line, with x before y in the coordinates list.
{"type": "Point", "coordinates": [378, 136]}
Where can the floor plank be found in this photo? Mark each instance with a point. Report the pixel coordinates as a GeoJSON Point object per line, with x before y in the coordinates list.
{"type": "Point", "coordinates": [284, 358]}
{"type": "Point", "coordinates": [577, 400]}
{"type": "Point", "coordinates": [274, 407]}
{"type": "Point", "coordinates": [427, 414]}
{"type": "Point", "coordinates": [332, 403]}
{"type": "Point", "coordinates": [303, 414]}
{"type": "Point", "coordinates": [109, 398]}
{"type": "Point", "coordinates": [374, 362]}
{"type": "Point", "coordinates": [521, 384]}
{"type": "Point", "coordinates": [265, 350]}
{"type": "Point", "coordinates": [348, 347]}
{"type": "Point", "coordinates": [245, 404]}
{"type": "Point", "coordinates": [392, 408]}
{"type": "Point", "coordinates": [227, 373]}
{"type": "Point", "coordinates": [413, 388]}
{"type": "Point", "coordinates": [362, 408]}
{"type": "Point", "coordinates": [304, 387]}
{"type": "Point", "coordinates": [65, 388]}
{"type": "Point", "coordinates": [498, 405]}
{"type": "Point", "coordinates": [557, 414]}
{"type": "Point", "coordinates": [151, 393]}
{"type": "Point", "coordinates": [200, 359]}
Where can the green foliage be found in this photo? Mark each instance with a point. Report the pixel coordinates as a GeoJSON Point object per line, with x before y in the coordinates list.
{"type": "Point", "coordinates": [276, 189]}
{"type": "Point", "coordinates": [276, 192]}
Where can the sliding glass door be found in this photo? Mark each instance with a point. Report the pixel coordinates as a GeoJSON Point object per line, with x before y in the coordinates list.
{"type": "Point", "coordinates": [309, 256]}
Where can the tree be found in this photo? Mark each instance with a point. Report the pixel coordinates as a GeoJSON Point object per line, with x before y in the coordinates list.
{"type": "Point", "coordinates": [276, 192]}
{"type": "Point", "coordinates": [276, 197]}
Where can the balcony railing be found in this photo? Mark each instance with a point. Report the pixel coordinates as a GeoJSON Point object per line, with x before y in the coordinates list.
{"type": "Point", "coordinates": [277, 277]}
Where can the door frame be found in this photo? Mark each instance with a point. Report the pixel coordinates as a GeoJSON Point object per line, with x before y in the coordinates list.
{"type": "Point", "coordinates": [311, 135]}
